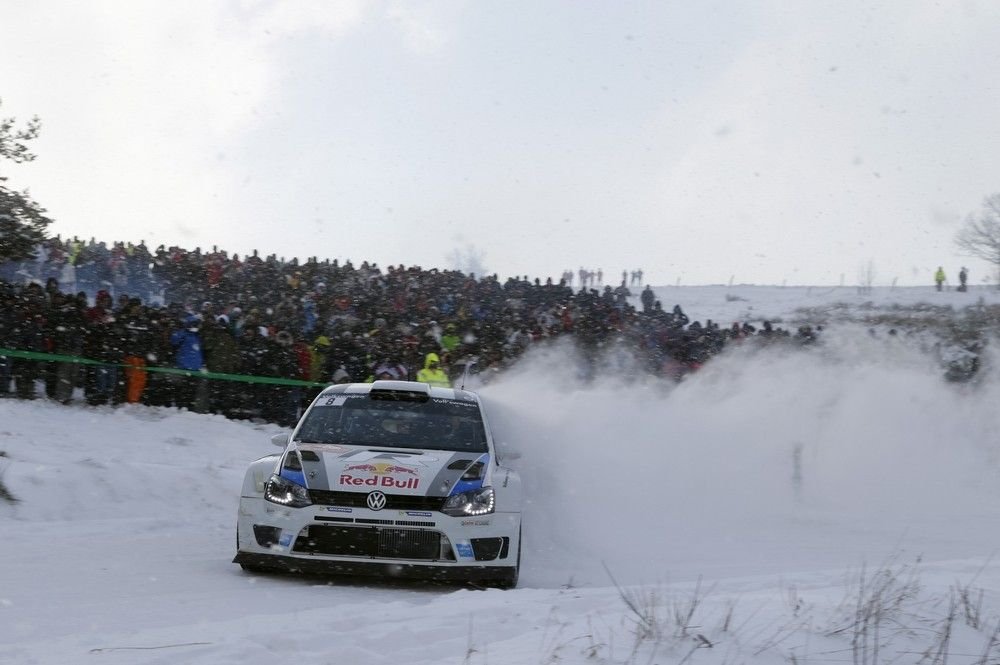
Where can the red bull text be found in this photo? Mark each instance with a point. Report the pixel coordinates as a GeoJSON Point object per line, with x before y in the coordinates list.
{"type": "Point", "coordinates": [380, 481]}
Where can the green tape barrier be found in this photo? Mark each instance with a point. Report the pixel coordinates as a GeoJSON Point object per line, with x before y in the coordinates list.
{"type": "Point", "coordinates": [245, 378]}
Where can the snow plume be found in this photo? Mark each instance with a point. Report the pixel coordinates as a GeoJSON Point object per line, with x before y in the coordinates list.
{"type": "Point", "coordinates": [468, 259]}
{"type": "Point", "coordinates": [821, 456]}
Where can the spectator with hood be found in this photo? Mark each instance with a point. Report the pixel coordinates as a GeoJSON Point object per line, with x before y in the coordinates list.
{"type": "Point", "coordinates": [432, 372]}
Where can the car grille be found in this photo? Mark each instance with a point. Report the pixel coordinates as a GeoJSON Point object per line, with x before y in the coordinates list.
{"type": "Point", "coordinates": [360, 500]}
{"type": "Point", "coordinates": [374, 542]}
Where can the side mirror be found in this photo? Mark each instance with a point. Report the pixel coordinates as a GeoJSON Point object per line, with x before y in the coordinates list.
{"type": "Point", "coordinates": [280, 440]}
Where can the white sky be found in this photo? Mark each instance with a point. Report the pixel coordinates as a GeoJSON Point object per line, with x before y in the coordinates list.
{"type": "Point", "coordinates": [760, 141]}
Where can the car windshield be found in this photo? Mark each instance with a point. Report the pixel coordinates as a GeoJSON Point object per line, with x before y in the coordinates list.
{"type": "Point", "coordinates": [358, 420]}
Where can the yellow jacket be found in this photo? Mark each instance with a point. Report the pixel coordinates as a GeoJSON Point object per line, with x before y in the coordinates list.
{"type": "Point", "coordinates": [432, 372]}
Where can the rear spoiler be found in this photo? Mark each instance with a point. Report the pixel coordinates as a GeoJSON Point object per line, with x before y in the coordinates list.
{"type": "Point", "coordinates": [400, 391]}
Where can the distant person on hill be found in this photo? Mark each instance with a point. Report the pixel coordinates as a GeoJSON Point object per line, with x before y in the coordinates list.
{"type": "Point", "coordinates": [963, 278]}
{"type": "Point", "coordinates": [939, 278]}
{"type": "Point", "coordinates": [648, 298]}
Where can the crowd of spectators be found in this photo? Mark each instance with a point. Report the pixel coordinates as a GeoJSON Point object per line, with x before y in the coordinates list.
{"type": "Point", "coordinates": [204, 314]}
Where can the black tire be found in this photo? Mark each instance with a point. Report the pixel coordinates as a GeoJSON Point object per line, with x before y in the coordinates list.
{"type": "Point", "coordinates": [509, 581]}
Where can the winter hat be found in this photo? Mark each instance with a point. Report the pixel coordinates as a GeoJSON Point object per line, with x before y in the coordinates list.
{"type": "Point", "coordinates": [284, 338]}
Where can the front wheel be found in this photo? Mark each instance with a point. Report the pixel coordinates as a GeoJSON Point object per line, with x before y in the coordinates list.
{"type": "Point", "coordinates": [509, 581]}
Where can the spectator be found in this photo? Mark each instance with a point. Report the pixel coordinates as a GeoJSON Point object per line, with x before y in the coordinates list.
{"type": "Point", "coordinates": [100, 336]}
{"type": "Point", "coordinates": [189, 356]}
{"type": "Point", "coordinates": [27, 334]}
{"type": "Point", "coordinates": [432, 372]}
{"type": "Point", "coordinates": [222, 356]}
{"type": "Point", "coordinates": [67, 328]}
{"type": "Point", "coordinates": [136, 349]}
{"type": "Point", "coordinates": [648, 298]}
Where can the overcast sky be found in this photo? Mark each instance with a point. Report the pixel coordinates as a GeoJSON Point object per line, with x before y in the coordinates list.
{"type": "Point", "coordinates": [764, 142]}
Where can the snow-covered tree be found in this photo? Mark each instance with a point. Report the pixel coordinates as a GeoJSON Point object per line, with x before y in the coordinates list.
{"type": "Point", "coordinates": [22, 220]}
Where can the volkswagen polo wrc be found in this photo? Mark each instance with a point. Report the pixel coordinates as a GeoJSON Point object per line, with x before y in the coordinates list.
{"type": "Point", "coordinates": [391, 478]}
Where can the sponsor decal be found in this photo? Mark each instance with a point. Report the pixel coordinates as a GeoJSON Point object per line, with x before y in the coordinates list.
{"type": "Point", "coordinates": [453, 402]}
{"type": "Point", "coordinates": [475, 522]}
{"type": "Point", "coordinates": [380, 481]}
{"type": "Point", "coordinates": [383, 474]}
{"type": "Point", "coordinates": [417, 513]}
{"type": "Point", "coordinates": [338, 509]}
{"type": "Point", "coordinates": [464, 549]}
{"type": "Point", "coordinates": [275, 510]}
{"type": "Point", "coordinates": [285, 540]}
{"type": "Point", "coordinates": [380, 468]}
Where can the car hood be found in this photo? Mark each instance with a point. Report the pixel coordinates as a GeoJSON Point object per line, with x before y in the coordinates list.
{"type": "Point", "coordinates": [393, 471]}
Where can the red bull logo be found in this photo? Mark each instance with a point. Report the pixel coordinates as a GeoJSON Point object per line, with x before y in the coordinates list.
{"type": "Point", "coordinates": [400, 469]}
{"type": "Point", "coordinates": [380, 481]}
{"type": "Point", "coordinates": [370, 468]}
{"type": "Point", "coordinates": [383, 474]}
{"type": "Point", "coordinates": [380, 468]}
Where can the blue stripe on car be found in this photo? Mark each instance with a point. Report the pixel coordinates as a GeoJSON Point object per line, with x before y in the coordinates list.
{"type": "Point", "coordinates": [296, 477]}
{"type": "Point", "coordinates": [468, 485]}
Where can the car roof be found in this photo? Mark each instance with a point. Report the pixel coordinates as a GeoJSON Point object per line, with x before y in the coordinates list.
{"type": "Point", "coordinates": [402, 386]}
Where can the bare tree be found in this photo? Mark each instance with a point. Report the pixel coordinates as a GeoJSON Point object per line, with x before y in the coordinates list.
{"type": "Point", "coordinates": [980, 234]}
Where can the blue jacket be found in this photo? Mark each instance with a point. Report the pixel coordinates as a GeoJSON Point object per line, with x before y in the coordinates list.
{"type": "Point", "coordinates": [187, 346]}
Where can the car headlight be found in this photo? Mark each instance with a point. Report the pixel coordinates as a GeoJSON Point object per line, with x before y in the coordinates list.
{"type": "Point", "coordinates": [286, 493]}
{"type": "Point", "coordinates": [473, 502]}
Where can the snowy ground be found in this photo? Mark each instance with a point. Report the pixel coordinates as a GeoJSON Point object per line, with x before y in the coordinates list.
{"type": "Point", "coordinates": [839, 504]}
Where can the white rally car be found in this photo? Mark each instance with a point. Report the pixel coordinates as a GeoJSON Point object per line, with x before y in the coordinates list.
{"type": "Point", "coordinates": [391, 478]}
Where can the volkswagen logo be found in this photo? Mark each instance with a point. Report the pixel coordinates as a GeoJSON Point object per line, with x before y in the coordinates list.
{"type": "Point", "coordinates": [376, 500]}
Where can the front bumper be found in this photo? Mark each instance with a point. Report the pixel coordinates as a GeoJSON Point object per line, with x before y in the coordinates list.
{"type": "Point", "coordinates": [325, 566]}
{"type": "Point", "coordinates": [388, 543]}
